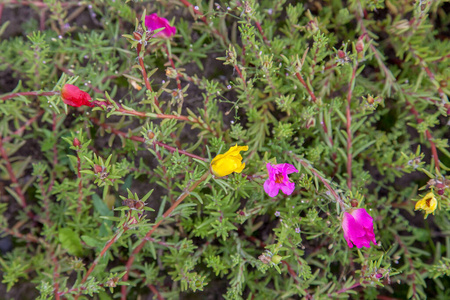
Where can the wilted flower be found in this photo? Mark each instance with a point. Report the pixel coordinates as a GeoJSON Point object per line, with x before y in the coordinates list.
{"type": "Point", "coordinates": [154, 22]}
{"type": "Point", "coordinates": [73, 96]}
{"type": "Point", "coordinates": [229, 162]}
{"type": "Point", "coordinates": [278, 179]}
{"type": "Point", "coordinates": [428, 204]}
{"type": "Point", "coordinates": [358, 228]}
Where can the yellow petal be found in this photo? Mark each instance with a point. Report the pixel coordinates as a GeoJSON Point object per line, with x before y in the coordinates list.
{"type": "Point", "coordinates": [229, 162]}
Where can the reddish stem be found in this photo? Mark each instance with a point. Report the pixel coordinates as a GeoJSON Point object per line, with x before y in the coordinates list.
{"type": "Point", "coordinates": [236, 67]}
{"type": "Point", "coordinates": [13, 95]}
{"type": "Point", "coordinates": [55, 277]}
{"type": "Point", "coordinates": [103, 252]}
{"type": "Point", "coordinates": [349, 130]}
{"type": "Point", "coordinates": [327, 185]}
{"type": "Point", "coordinates": [427, 133]}
{"type": "Point", "coordinates": [203, 18]}
{"type": "Point", "coordinates": [80, 184]}
{"type": "Point", "coordinates": [155, 291]}
{"type": "Point", "coordinates": [258, 25]}
{"type": "Point", "coordinates": [148, 235]}
{"type": "Point", "coordinates": [23, 127]}
{"type": "Point", "coordinates": [310, 92]}
{"type": "Point", "coordinates": [142, 140]}
{"type": "Point", "coordinates": [147, 82]}
{"type": "Point", "coordinates": [12, 176]}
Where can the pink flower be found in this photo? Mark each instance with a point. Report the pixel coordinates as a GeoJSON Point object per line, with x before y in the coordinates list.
{"type": "Point", "coordinates": [278, 179]}
{"type": "Point", "coordinates": [154, 22]}
{"type": "Point", "coordinates": [75, 97]}
{"type": "Point", "coordinates": [358, 228]}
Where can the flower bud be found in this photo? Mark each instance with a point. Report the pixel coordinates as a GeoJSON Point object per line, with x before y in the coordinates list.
{"type": "Point", "coordinates": [150, 134]}
{"type": "Point", "coordinates": [137, 36]}
{"type": "Point", "coordinates": [171, 73]}
{"type": "Point", "coordinates": [75, 97]}
{"type": "Point", "coordinates": [276, 259]}
{"type": "Point", "coordinates": [359, 46]}
{"type": "Point", "coordinates": [76, 143]}
{"type": "Point", "coordinates": [354, 203]}
{"type": "Point", "coordinates": [98, 169]}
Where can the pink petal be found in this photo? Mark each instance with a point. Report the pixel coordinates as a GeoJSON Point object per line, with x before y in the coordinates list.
{"type": "Point", "coordinates": [154, 22]}
{"type": "Point", "coordinates": [361, 242]}
{"type": "Point", "coordinates": [288, 169]}
{"type": "Point", "coordinates": [288, 188]}
{"type": "Point", "coordinates": [352, 230]}
{"type": "Point", "coordinates": [363, 218]}
{"type": "Point", "coordinates": [271, 188]}
{"type": "Point", "coordinates": [271, 171]}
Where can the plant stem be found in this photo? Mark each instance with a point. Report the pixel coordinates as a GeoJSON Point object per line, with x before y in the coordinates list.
{"type": "Point", "coordinates": [325, 182]}
{"type": "Point", "coordinates": [103, 252]}
{"type": "Point", "coordinates": [310, 92]}
{"type": "Point", "coordinates": [12, 176]}
{"type": "Point", "coordinates": [80, 184]}
{"type": "Point", "coordinates": [13, 95]}
{"type": "Point", "coordinates": [148, 235]}
{"type": "Point", "coordinates": [349, 125]}
{"type": "Point", "coordinates": [142, 140]}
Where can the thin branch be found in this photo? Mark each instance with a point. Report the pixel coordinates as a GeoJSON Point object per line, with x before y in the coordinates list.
{"type": "Point", "coordinates": [349, 124]}
{"type": "Point", "coordinates": [22, 128]}
{"type": "Point", "coordinates": [203, 18]}
{"type": "Point", "coordinates": [13, 95]}
{"type": "Point", "coordinates": [148, 235]}
{"type": "Point", "coordinates": [80, 184]}
{"type": "Point", "coordinates": [325, 182]}
{"type": "Point", "coordinates": [142, 140]}
{"type": "Point", "coordinates": [108, 245]}
{"type": "Point", "coordinates": [12, 176]}
{"type": "Point", "coordinates": [310, 92]}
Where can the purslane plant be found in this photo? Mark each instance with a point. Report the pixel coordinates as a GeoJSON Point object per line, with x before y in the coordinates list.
{"type": "Point", "coordinates": [121, 137]}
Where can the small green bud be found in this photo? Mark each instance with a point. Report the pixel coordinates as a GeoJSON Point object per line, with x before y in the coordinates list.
{"type": "Point", "coordinates": [276, 259]}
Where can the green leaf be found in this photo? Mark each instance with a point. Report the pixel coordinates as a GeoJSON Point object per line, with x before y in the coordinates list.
{"type": "Point", "coordinates": [70, 241]}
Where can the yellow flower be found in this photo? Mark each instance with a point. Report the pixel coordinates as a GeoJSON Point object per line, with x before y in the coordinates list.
{"type": "Point", "coordinates": [428, 204]}
{"type": "Point", "coordinates": [229, 162]}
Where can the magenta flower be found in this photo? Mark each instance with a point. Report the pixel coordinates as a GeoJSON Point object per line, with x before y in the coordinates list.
{"type": "Point", "coordinates": [154, 22]}
{"type": "Point", "coordinates": [278, 179]}
{"type": "Point", "coordinates": [358, 228]}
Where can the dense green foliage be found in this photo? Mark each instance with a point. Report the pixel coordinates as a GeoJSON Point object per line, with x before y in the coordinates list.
{"type": "Point", "coordinates": [118, 200]}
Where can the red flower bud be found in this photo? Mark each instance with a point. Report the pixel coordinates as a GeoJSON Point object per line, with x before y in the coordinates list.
{"type": "Point", "coordinates": [440, 192]}
{"type": "Point", "coordinates": [98, 169]}
{"type": "Point", "coordinates": [75, 97]}
{"type": "Point", "coordinates": [359, 46]}
{"type": "Point", "coordinates": [341, 54]}
{"type": "Point", "coordinates": [76, 143]}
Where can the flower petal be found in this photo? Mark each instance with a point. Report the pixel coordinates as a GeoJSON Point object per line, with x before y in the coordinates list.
{"type": "Point", "coordinates": [271, 188]}
{"type": "Point", "coordinates": [363, 218]}
{"type": "Point", "coordinates": [153, 22]}
{"type": "Point", "coordinates": [288, 169]}
{"type": "Point", "coordinates": [288, 188]}
{"type": "Point", "coordinates": [271, 171]}
{"type": "Point", "coordinates": [352, 230]}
